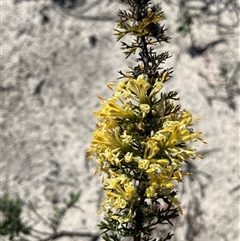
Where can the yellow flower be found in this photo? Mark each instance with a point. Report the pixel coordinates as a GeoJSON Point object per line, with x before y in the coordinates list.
{"type": "Point", "coordinates": [145, 108]}
{"type": "Point", "coordinates": [128, 157]}
{"type": "Point", "coordinates": [125, 218]}
{"type": "Point", "coordinates": [156, 88]}
{"type": "Point", "coordinates": [112, 109]}
{"type": "Point", "coordinates": [107, 138]}
{"type": "Point", "coordinates": [143, 164]}
{"type": "Point", "coordinates": [139, 88]}
{"type": "Point", "coordinates": [120, 186]}
{"type": "Point", "coordinates": [126, 139]}
{"type": "Point", "coordinates": [159, 184]}
{"type": "Point", "coordinates": [151, 148]}
{"type": "Point", "coordinates": [177, 176]}
{"type": "Point", "coordinates": [120, 195]}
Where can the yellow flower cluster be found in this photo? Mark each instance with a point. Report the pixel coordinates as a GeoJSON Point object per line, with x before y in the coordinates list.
{"type": "Point", "coordinates": [140, 145]}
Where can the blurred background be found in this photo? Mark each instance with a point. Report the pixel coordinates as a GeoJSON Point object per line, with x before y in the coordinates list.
{"type": "Point", "coordinates": [56, 58]}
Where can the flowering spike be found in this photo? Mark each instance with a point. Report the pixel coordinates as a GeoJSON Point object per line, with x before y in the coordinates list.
{"type": "Point", "coordinates": [143, 136]}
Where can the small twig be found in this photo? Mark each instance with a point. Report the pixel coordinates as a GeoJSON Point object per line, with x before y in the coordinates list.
{"type": "Point", "coordinates": [40, 232]}
{"type": "Point", "coordinates": [234, 189]}
{"type": "Point", "coordinates": [35, 211]}
{"type": "Point", "coordinates": [59, 182]}
{"type": "Point", "coordinates": [88, 18]}
{"type": "Point", "coordinates": [70, 234]}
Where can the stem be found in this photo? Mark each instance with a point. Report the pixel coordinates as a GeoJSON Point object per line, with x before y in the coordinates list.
{"type": "Point", "coordinates": [139, 218]}
{"type": "Point", "coordinates": [144, 53]}
{"type": "Point", "coordinates": [137, 238]}
{"type": "Point", "coordinates": [138, 225]}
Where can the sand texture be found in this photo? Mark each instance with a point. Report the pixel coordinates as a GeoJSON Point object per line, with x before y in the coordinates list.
{"type": "Point", "coordinates": [58, 56]}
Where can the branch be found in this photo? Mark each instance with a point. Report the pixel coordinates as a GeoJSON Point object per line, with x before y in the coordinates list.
{"type": "Point", "coordinates": [70, 234]}
{"type": "Point", "coordinates": [88, 18]}
{"type": "Point", "coordinates": [30, 205]}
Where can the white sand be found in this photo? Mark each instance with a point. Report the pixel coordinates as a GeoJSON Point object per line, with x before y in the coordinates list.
{"type": "Point", "coordinates": [46, 130]}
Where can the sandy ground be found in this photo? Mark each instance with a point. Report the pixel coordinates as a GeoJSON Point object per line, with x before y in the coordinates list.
{"type": "Point", "coordinates": [55, 64]}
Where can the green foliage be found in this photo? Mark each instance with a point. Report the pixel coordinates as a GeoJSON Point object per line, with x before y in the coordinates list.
{"type": "Point", "coordinates": [152, 217]}
{"type": "Point", "coordinates": [223, 72]}
{"type": "Point", "coordinates": [185, 24]}
{"type": "Point", "coordinates": [12, 224]}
